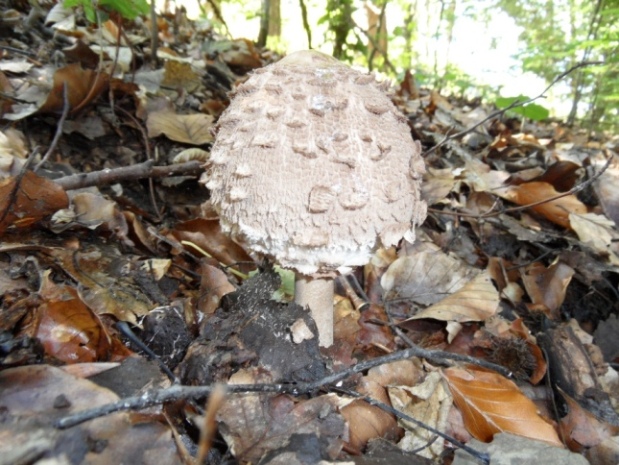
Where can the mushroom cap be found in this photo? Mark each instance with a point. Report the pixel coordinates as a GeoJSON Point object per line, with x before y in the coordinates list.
{"type": "Point", "coordinates": [314, 167]}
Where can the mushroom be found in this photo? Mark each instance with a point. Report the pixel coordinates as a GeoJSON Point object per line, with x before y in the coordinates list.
{"type": "Point", "coordinates": [315, 168]}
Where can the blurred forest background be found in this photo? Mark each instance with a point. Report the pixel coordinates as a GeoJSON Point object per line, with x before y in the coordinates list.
{"type": "Point", "coordinates": [465, 48]}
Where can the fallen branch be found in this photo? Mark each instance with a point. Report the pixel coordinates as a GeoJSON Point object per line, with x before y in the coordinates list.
{"type": "Point", "coordinates": [186, 392]}
{"type": "Point", "coordinates": [127, 173]}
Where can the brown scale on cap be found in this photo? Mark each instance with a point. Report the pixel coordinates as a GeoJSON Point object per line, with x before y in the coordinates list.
{"type": "Point", "coordinates": [314, 167]}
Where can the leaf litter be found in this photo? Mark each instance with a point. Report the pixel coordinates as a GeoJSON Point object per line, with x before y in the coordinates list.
{"type": "Point", "coordinates": [516, 264]}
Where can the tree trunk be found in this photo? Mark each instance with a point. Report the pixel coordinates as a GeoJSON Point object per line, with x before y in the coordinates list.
{"type": "Point", "coordinates": [264, 24]}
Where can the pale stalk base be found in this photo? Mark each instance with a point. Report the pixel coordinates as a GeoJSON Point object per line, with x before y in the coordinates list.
{"type": "Point", "coordinates": [317, 294]}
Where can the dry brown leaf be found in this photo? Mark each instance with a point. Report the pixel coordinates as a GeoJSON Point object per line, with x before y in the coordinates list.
{"type": "Point", "coordinates": [34, 199]}
{"type": "Point", "coordinates": [607, 189]}
{"type": "Point", "coordinates": [428, 402]}
{"type": "Point", "coordinates": [214, 285]}
{"type": "Point", "coordinates": [475, 301]}
{"type": "Point", "coordinates": [581, 428]}
{"type": "Point", "coordinates": [491, 404]}
{"type": "Point", "coordinates": [35, 395]}
{"type": "Point", "coordinates": [557, 211]}
{"type": "Point", "coordinates": [67, 328]}
{"type": "Point", "coordinates": [562, 175]}
{"type": "Point", "coordinates": [188, 129]}
{"type": "Point", "coordinates": [254, 424]}
{"type": "Point", "coordinates": [207, 235]}
{"type": "Point", "coordinates": [180, 75]}
{"type": "Point", "coordinates": [365, 421]}
{"type": "Point", "coordinates": [83, 86]}
{"type": "Point", "coordinates": [598, 232]}
{"type": "Point", "coordinates": [425, 275]}
{"type": "Point", "coordinates": [437, 184]}
{"type": "Point", "coordinates": [547, 286]}
{"type": "Point", "coordinates": [102, 285]}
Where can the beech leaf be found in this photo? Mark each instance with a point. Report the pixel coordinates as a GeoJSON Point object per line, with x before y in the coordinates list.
{"type": "Point", "coordinates": [475, 301]}
{"type": "Point", "coordinates": [492, 404]}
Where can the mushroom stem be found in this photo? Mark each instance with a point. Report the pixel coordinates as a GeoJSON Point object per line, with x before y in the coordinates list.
{"type": "Point", "coordinates": [317, 294]}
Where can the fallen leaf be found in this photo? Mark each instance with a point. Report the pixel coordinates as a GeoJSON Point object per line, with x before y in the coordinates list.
{"type": "Point", "coordinates": [475, 301]}
{"type": "Point", "coordinates": [492, 404]}
{"type": "Point", "coordinates": [583, 429]}
{"type": "Point", "coordinates": [428, 402]}
{"type": "Point", "coordinates": [424, 275]}
{"type": "Point", "coordinates": [254, 424]}
{"type": "Point", "coordinates": [188, 129]}
{"type": "Point", "coordinates": [29, 200]}
{"type": "Point", "coordinates": [557, 211]}
{"type": "Point", "coordinates": [547, 286]}
{"type": "Point", "coordinates": [596, 231]}
{"type": "Point", "coordinates": [34, 396]}
{"type": "Point", "coordinates": [67, 328]}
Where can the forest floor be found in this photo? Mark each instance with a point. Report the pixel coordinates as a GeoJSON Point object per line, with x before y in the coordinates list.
{"type": "Point", "coordinates": [493, 336]}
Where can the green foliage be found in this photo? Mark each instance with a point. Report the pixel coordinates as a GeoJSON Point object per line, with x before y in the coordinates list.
{"type": "Point", "coordinates": [557, 35]}
{"type": "Point", "coordinates": [532, 111]}
{"type": "Point", "coordinates": [128, 9]}
{"type": "Point", "coordinates": [338, 18]}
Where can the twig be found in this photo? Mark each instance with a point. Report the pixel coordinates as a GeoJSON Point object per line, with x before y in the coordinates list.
{"type": "Point", "coordinates": [484, 457]}
{"type": "Point", "coordinates": [185, 392]}
{"type": "Point", "coordinates": [209, 425]}
{"type": "Point", "coordinates": [127, 173]}
{"type": "Point", "coordinates": [573, 190]}
{"type": "Point", "coordinates": [149, 156]}
{"type": "Point", "coordinates": [514, 104]}
{"type": "Point", "coordinates": [219, 16]}
{"type": "Point", "coordinates": [376, 47]}
{"type": "Point", "coordinates": [124, 328]}
{"type": "Point", "coordinates": [63, 117]}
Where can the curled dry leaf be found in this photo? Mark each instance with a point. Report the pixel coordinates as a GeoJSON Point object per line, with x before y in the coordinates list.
{"type": "Point", "coordinates": [598, 232]}
{"type": "Point", "coordinates": [557, 211]}
{"type": "Point", "coordinates": [83, 86]}
{"type": "Point", "coordinates": [425, 274]}
{"type": "Point", "coordinates": [475, 301]}
{"type": "Point", "coordinates": [582, 428]}
{"type": "Point", "coordinates": [547, 286]}
{"type": "Point", "coordinates": [214, 285]}
{"type": "Point", "coordinates": [428, 402]}
{"type": "Point", "coordinates": [188, 129]}
{"type": "Point", "coordinates": [365, 421]}
{"type": "Point", "coordinates": [30, 201]}
{"type": "Point", "coordinates": [607, 189]}
{"type": "Point", "coordinates": [35, 395]}
{"type": "Point", "coordinates": [207, 235]}
{"type": "Point", "coordinates": [491, 404]}
{"type": "Point", "coordinates": [67, 328]}
{"type": "Point", "coordinates": [255, 424]}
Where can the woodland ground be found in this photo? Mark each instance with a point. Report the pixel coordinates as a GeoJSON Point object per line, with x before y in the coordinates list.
{"type": "Point", "coordinates": [501, 318]}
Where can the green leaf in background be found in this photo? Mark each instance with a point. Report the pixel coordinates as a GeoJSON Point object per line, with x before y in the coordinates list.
{"type": "Point", "coordinates": [128, 9]}
{"type": "Point", "coordinates": [532, 111]}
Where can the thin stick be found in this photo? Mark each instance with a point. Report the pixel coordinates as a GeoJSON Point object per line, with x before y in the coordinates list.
{"type": "Point", "coordinates": [185, 392]}
{"type": "Point", "coordinates": [128, 173]}
{"type": "Point", "coordinates": [63, 117]}
{"type": "Point", "coordinates": [403, 416]}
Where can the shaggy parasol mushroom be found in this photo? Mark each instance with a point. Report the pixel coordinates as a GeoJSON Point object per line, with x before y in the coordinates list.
{"type": "Point", "coordinates": [314, 167]}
